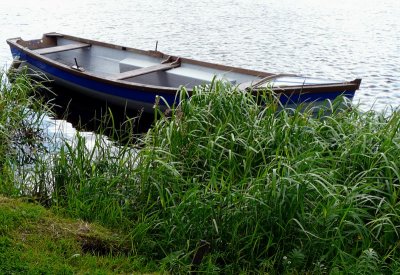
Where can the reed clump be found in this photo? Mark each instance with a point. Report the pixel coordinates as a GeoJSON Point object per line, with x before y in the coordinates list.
{"type": "Point", "coordinates": [21, 131]}
{"type": "Point", "coordinates": [270, 189]}
{"type": "Point", "coordinates": [229, 182]}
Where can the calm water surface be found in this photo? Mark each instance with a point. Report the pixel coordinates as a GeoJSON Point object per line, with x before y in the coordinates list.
{"type": "Point", "coordinates": [321, 38]}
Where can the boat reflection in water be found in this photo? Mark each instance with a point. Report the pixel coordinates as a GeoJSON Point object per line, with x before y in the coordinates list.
{"type": "Point", "coordinates": [92, 115]}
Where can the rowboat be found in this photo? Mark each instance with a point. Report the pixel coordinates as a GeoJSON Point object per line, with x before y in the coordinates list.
{"type": "Point", "coordinates": [134, 78]}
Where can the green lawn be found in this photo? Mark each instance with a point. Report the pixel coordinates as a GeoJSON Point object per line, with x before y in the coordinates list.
{"type": "Point", "coordinates": [33, 240]}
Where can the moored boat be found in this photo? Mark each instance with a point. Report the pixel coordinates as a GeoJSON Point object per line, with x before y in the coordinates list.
{"type": "Point", "coordinates": [134, 78]}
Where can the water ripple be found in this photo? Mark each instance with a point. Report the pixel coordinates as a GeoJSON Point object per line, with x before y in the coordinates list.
{"type": "Point", "coordinates": [320, 38]}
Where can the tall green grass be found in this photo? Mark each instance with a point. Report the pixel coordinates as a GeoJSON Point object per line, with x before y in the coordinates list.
{"type": "Point", "coordinates": [267, 189]}
{"type": "Point", "coordinates": [270, 190]}
{"type": "Point", "coordinates": [21, 132]}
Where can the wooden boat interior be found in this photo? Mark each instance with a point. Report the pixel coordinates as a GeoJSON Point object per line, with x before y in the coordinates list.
{"type": "Point", "coordinates": [154, 68]}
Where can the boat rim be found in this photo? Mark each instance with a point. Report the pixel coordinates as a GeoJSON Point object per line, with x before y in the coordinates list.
{"type": "Point", "coordinates": [327, 87]}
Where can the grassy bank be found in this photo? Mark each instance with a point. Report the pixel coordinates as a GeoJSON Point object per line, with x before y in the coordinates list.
{"type": "Point", "coordinates": [35, 241]}
{"type": "Point", "coordinates": [223, 184]}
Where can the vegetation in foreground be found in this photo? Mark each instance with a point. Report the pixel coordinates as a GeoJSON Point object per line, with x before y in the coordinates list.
{"type": "Point", "coordinates": [35, 241]}
{"type": "Point", "coordinates": [223, 184]}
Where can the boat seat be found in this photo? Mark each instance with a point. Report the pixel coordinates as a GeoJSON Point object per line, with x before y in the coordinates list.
{"type": "Point", "coordinates": [147, 70]}
{"type": "Point", "coordinates": [185, 73]}
{"type": "Point", "coordinates": [61, 48]}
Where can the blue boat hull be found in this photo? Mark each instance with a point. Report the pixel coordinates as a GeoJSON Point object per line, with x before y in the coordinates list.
{"type": "Point", "coordinates": [133, 98]}
{"type": "Point", "coordinates": [135, 94]}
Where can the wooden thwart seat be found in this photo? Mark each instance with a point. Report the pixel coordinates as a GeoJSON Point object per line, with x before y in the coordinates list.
{"type": "Point", "coordinates": [61, 48]}
{"type": "Point", "coordinates": [147, 70]}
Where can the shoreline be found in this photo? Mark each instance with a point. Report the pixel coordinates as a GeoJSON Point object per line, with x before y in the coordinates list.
{"type": "Point", "coordinates": [268, 190]}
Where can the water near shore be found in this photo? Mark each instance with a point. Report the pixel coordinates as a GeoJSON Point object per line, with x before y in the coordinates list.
{"type": "Point", "coordinates": [332, 39]}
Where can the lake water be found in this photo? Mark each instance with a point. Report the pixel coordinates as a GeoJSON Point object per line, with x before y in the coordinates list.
{"type": "Point", "coordinates": [321, 38]}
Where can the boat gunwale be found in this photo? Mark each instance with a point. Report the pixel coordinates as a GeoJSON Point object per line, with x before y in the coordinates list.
{"type": "Point", "coordinates": [313, 88]}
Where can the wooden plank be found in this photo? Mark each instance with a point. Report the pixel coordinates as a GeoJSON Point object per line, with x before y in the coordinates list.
{"type": "Point", "coordinates": [146, 70]}
{"type": "Point", "coordinates": [62, 48]}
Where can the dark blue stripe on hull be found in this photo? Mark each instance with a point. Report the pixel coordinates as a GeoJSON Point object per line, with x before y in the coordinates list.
{"type": "Point", "coordinates": [149, 97]}
{"type": "Point", "coordinates": [105, 88]}
{"type": "Point", "coordinates": [313, 97]}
